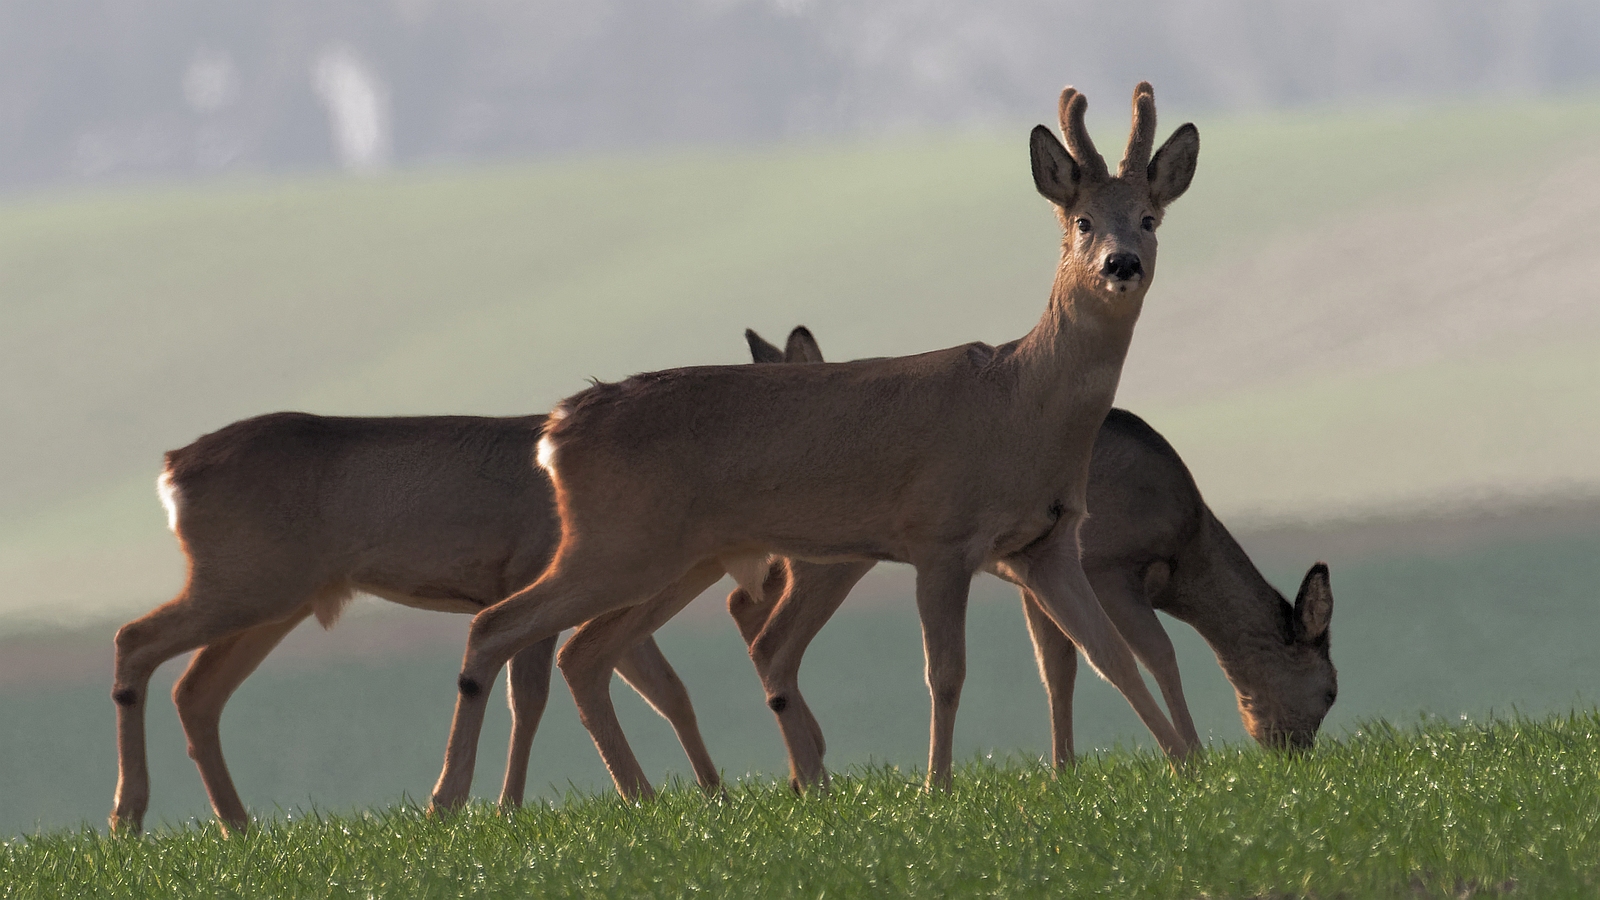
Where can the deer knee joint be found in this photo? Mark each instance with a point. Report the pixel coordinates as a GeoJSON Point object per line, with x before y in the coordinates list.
{"type": "Point", "coordinates": [469, 686]}
{"type": "Point", "coordinates": [125, 697]}
{"type": "Point", "coordinates": [764, 652]}
{"type": "Point", "coordinates": [778, 703]}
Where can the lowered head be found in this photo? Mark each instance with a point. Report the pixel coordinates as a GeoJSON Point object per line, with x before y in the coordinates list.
{"type": "Point", "coordinates": [1284, 700]}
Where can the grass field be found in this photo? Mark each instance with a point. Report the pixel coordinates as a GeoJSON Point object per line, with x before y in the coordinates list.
{"type": "Point", "coordinates": [1507, 808]}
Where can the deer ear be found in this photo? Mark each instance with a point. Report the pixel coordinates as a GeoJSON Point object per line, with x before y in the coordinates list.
{"type": "Point", "coordinates": [760, 350]}
{"type": "Point", "coordinates": [1055, 174]}
{"type": "Point", "coordinates": [1172, 168]}
{"type": "Point", "coordinates": [1313, 606]}
{"type": "Point", "coordinates": [802, 347]}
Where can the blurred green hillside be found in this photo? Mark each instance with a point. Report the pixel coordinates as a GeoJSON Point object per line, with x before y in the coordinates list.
{"type": "Point", "coordinates": [138, 319]}
{"type": "Point", "coordinates": [1383, 314]}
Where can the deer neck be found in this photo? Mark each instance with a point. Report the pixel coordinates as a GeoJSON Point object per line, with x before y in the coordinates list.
{"type": "Point", "coordinates": [1218, 591]}
{"type": "Point", "coordinates": [1072, 359]}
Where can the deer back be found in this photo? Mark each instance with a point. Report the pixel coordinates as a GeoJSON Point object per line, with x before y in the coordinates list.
{"type": "Point", "coordinates": [436, 511]}
{"type": "Point", "coordinates": [775, 454]}
{"type": "Point", "coordinates": [1143, 503]}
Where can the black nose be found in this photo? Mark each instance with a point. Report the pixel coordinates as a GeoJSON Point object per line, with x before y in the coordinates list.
{"type": "Point", "coordinates": [1122, 266]}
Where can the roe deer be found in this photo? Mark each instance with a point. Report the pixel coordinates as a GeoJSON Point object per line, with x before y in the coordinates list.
{"type": "Point", "coordinates": [285, 516]}
{"type": "Point", "coordinates": [953, 461]}
{"type": "Point", "coordinates": [1149, 543]}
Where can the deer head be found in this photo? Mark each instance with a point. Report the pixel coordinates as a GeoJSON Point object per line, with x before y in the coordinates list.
{"type": "Point", "coordinates": [1283, 700]}
{"type": "Point", "coordinates": [1110, 221]}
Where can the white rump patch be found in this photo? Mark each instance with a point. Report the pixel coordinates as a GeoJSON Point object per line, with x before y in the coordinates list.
{"type": "Point", "coordinates": [547, 454]}
{"type": "Point", "coordinates": [168, 492]}
{"type": "Point", "coordinates": [547, 447]}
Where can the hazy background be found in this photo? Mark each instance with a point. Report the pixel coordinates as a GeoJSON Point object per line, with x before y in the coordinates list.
{"type": "Point", "coordinates": [106, 89]}
{"type": "Point", "coordinates": [1375, 336]}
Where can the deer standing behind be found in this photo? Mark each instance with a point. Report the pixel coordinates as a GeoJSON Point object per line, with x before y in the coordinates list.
{"type": "Point", "coordinates": [1150, 543]}
{"type": "Point", "coordinates": [285, 516]}
{"type": "Point", "coordinates": [953, 461]}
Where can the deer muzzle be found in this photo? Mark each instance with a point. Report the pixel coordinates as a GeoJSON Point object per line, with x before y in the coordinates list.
{"type": "Point", "coordinates": [1122, 267]}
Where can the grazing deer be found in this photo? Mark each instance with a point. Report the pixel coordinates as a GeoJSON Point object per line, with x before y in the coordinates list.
{"type": "Point", "coordinates": [1149, 543]}
{"type": "Point", "coordinates": [953, 461]}
{"type": "Point", "coordinates": [285, 516]}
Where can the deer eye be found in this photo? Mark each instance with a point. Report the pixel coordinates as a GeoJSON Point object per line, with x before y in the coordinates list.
{"type": "Point", "coordinates": [1148, 223]}
{"type": "Point", "coordinates": [1332, 696]}
{"type": "Point", "coordinates": [1084, 226]}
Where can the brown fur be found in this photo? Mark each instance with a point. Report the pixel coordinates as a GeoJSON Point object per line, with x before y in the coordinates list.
{"type": "Point", "coordinates": [1153, 530]}
{"type": "Point", "coordinates": [1150, 543]}
{"type": "Point", "coordinates": [286, 515]}
{"type": "Point", "coordinates": [952, 461]}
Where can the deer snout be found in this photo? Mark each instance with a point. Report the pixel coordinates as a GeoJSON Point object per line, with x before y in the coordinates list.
{"type": "Point", "coordinates": [1122, 267]}
{"type": "Point", "coordinates": [1297, 741]}
{"type": "Point", "coordinates": [1284, 740]}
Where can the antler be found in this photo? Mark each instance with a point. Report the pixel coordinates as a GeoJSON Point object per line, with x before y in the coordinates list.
{"type": "Point", "coordinates": [1079, 145]}
{"type": "Point", "coordinates": [1142, 137]}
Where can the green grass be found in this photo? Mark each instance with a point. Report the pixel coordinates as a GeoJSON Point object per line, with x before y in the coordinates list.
{"type": "Point", "coordinates": [1507, 808]}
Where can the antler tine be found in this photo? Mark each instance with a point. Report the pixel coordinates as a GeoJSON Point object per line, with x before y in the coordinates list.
{"type": "Point", "coordinates": [1142, 137]}
{"type": "Point", "coordinates": [1079, 145]}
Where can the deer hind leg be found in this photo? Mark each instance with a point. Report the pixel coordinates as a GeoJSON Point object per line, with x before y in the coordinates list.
{"type": "Point", "coordinates": [598, 648]}
{"type": "Point", "coordinates": [814, 594]}
{"type": "Point", "coordinates": [578, 586]}
{"type": "Point", "coordinates": [203, 614]}
{"type": "Point", "coordinates": [527, 692]}
{"type": "Point", "coordinates": [942, 588]}
{"type": "Point", "coordinates": [1055, 577]}
{"type": "Point", "coordinates": [750, 616]}
{"type": "Point", "coordinates": [647, 671]}
{"type": "Point", "coordinates": [1058, 668]}
{"type": "Point", "coordinates": [214, 673]}
{"type": "Point", "coordinates": [749, 613]}
{"type": "Point", "coordinates": [1121, 594]}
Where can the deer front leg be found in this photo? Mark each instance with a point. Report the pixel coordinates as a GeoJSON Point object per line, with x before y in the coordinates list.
{"type": "Point", "coordinates": [1122, 597]}
{"type": "Point", "coordinates": [599, 647]}
{"type": "Point", "coordinates": [213, 675]}
{"type": "Point", "coordinates": [942, 588]}
{"type": "Point", "coordinates": [1058, 669]}
{"type": "Point", "coordinates": [1053, 573]}
{"type": "Point", "coordinates": [527, 692]}
{"type": "Point", "coordinates": [814, 594]}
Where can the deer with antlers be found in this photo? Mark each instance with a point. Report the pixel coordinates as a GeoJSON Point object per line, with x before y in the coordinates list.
{"type": "Point", "coordinates": [1150, 543]}
{"type": "Point", "coordinates": [953, 461]}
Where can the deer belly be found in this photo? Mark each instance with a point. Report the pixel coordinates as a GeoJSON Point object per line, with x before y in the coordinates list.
{"type": "Point", "coordinates": [429, 597]}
